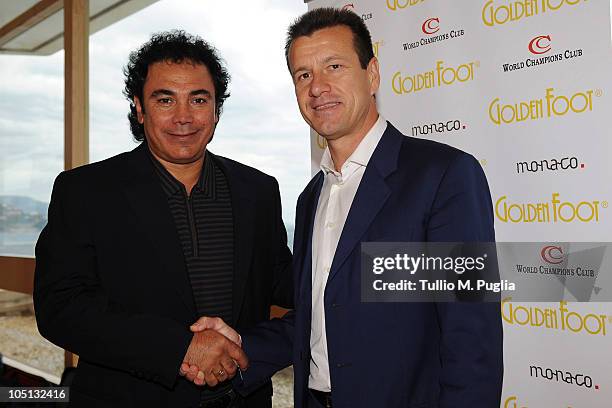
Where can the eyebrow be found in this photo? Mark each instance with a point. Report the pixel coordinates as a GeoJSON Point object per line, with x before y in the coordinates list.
{"type": "Point", "coordinates": [167, 92]}
{"type": "Point", "coordinates": [332, 57]}
{"type": "Point", "coordinates": [325, 61]}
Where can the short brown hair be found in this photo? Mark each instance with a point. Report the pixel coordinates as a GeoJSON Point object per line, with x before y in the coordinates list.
{"type": "Point", "coordinates": [327, 17]}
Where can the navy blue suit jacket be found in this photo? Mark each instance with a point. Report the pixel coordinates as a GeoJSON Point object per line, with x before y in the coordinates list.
{"type": "Point", "coordinates": [393, 354]}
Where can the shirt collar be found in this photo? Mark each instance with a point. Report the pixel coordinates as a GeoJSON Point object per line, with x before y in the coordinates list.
{"type": "Point", "coordinates": [362, 154]}
{"type": "Point", "coordinates": [171, 185]}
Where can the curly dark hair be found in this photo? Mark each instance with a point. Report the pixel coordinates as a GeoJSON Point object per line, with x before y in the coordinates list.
{"type": "Point", "coordinates": [327, 17]}
{"type": "Point", "coordinates": [175, 46]}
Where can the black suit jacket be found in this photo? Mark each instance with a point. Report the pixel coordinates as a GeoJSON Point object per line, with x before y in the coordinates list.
{"type": "Point", "coordinates": [111, 283]}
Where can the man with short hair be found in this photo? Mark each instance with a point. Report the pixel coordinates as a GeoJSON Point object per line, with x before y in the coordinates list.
{"type": "Point", "coordinates": [140, 245]}
{"type": "Point", "coordinates": [375, 185]}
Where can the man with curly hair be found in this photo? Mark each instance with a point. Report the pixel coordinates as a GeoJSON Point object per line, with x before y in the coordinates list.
{"type": "Point", "coordinates": [140, 245]}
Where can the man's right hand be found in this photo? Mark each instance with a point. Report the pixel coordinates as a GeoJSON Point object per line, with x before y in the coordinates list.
{"type": "Point", "coordinates": [214, 357]}
{"type": "Point", "coordinates": [217, 324]}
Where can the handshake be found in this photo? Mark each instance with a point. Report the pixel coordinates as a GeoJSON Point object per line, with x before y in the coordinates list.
{"type": "Point", "coordinates": [214, 354]}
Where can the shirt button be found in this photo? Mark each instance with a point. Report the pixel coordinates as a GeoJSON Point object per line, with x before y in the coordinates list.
{"type": "Point", "coordinates": [330, 225]}
{"type": "Point", "coordinates": [326, 269]}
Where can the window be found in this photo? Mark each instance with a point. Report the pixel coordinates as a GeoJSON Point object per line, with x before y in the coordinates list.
{"type": "Point", "coordinates": [31, 155]}
{"type": "Point", "coordinates": [31, 146]}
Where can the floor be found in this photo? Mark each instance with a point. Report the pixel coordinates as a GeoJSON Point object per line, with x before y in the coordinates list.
{"type": "Point", "coordinates": [283, 389]}
{"type": "Point", "coordinates": [19, 337]}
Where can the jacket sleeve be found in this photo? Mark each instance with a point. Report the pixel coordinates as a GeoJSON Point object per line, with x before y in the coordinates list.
{"type": "Point", "coordinates": [74, 311]}
{"type": "Point", "coordinates": [282, 294]}
{"type": "Point", "coordinates": [269, 347]}
{"type": "Point", "coordinates": [471, 333]}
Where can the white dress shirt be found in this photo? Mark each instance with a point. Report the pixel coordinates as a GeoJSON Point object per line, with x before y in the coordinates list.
{"type": "Point", "coordinates": [335, 201]}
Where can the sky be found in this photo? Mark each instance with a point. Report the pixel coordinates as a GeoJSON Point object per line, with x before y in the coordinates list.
{"type": "Point", "coordinates": [260, 125]}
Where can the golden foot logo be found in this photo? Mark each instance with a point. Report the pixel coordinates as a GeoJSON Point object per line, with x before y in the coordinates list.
{"type": "Point", "coordinates": [494, 13]}
{"type": "Point", "coordinates": [555, 319]}
{"type": "Point", "coordinates": [550, 106]}
{"type": "Point", "coordinates": [438, 77]}
{"type": "Point", "coordinates": [554, 210]}
{"type": "Point", "coordinates": [395, 5]}
{"type": "Point", "coordinates": [512, 402]}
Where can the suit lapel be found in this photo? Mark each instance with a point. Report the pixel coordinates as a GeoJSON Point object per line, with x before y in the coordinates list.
{"type": "Point", "coordinates": [311, 199]}
{"type": "Point", "coordinates": [242, 208]}
{"type": "Point", "coordinates": [150, 206]}
{"type": "Point", "coordinates": [371, 195]}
